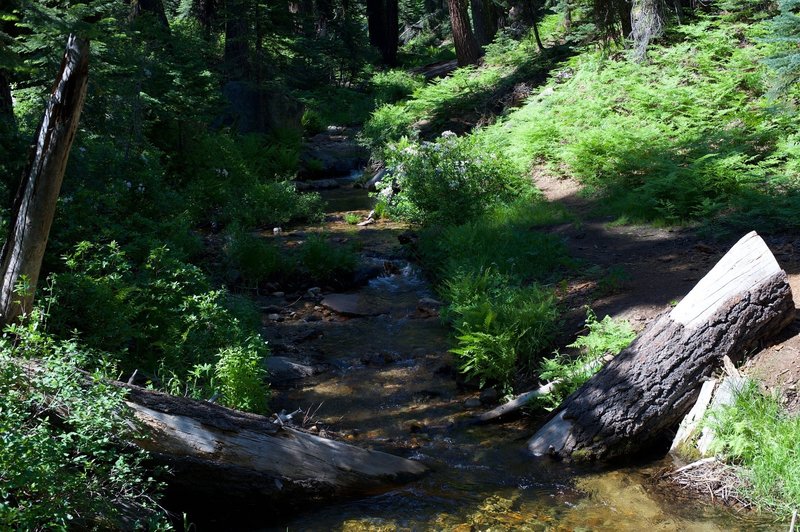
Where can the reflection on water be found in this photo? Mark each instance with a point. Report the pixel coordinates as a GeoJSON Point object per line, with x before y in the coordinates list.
{"type": "Point", "coordinates": [347, 199]}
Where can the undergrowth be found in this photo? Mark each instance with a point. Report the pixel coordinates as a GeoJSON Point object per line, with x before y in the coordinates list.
{"type": "Point", "coordinates": [496, 273]}
{"type": "Point", "coordinates": [606, 337]}
{"type": "Point", "coordinates": [66, 461]}
{"type": "Point", "coordinates": [756, 433]}
{"type": "Point", "coordinates": [686, 137]}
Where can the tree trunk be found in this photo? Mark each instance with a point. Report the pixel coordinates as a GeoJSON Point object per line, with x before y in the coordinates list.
{"type": "Point", "coordinates": [647, 23]}
{"type": "Point", "coordinates": [153, 7]}
{"type": "Point", "coordinates": [624, 12]}
{"type": "Point", "coordinates": [236, 59]}
{"type": "Point", "coordinates": [374, 21]}
{"type": "Point", "coordinates": [567, 15]}
{"type": "Point", "coordinates": [467, 49]}
{"type": "Point", "coordinates": [492, 18]}
{"type": "Point", "coordinates": [539, 44]}
{"type": "Point", "coordinates": [630, 404]}
{"type": "Point", "coordinates": [222, 457]}
{"type": "Point", "coordinates": [383, 25]}
{"type": "Point", "coordinates": [6, 102]}
{"type": "Point", "coordinates": [391, 32]}
{"type": "Point", "coordinates": [479, 23]}
{"type": "Point", "coordinates": [35, 202]}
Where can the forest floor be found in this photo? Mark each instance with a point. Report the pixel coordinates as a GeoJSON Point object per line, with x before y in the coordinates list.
{"type": "Point", "coordinates": [636, 272]}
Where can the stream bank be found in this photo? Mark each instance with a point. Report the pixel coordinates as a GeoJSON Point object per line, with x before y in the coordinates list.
{"type": "Point", "coordinates": [378, 374]}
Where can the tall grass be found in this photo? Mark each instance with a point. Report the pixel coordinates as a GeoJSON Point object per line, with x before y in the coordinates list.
{"type": "Point", "coordinates": [756, 433]}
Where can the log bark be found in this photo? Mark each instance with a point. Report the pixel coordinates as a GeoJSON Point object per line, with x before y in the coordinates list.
{"type": "Point", "coordinates": [644, 392]}
{"type": "Point", "coordinates": [218, 456]}
{"type": "Point", "coordinates": [35, 202]}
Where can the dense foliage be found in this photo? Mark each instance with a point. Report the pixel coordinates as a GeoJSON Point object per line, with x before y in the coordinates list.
{"type": "Point", "coordinates": [192, 135]}
{"type": "Point", "coordinates": [65, 460]}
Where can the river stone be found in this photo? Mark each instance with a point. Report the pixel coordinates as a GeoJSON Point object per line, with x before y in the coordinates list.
{"type": "Point", "coordinates": [472, 402]}
{"type": "Point", "coordinates": [429, 306]}
{"type": "Point", "coordinates": [284, 369]}
{"type": "Point", "coordinates": [346, 304]}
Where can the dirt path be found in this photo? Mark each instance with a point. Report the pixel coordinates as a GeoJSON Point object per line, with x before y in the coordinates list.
{"type": "Point", "coordinates": [636, 272]}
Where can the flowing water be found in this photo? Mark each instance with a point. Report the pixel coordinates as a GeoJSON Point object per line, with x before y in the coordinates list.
{"type": "Point", "coordinates": [387, 382]}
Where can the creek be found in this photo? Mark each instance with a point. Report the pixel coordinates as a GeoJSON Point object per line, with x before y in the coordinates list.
{"type": "Point", "coordinates": [383, 378]}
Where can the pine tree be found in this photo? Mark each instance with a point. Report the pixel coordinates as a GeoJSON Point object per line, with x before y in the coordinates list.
{"type": "Point", "coordinates": [786, 33]}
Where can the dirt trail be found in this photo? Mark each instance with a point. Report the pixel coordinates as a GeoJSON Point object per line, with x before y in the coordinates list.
{"type": "Point", "coordinates": [637, 272]}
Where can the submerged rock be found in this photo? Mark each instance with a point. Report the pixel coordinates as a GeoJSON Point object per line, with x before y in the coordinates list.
{"type": "Point", "coordinates": [283, 369]}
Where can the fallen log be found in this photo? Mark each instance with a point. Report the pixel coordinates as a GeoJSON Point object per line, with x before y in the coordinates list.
{"type": "Point", "coordinates": [436, 70]}
{"type": "Point", "coordinates": [218, 456]}
{"type": "Point", "coordinates": [635, 399]}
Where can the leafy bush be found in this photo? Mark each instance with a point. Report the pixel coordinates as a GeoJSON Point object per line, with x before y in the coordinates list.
{"type": "Point", "coordinates": [65, 459]}
{"type": "Point", "coordinates": [325, 262]}
{"type": "Point", "coordinates": [159, 316]}
{"type": "Point", "coordinates": [504, 239]}
{"type": "Point", "coordinates": [450, 180]}
{"type": "Point", "coordinates": [605, 337]}
{"type": "Point", "coordinates": [255, 258]}
{"type": "Point", "coordinates": [241, 377]}
{"type": "Point", "coordinates": [388, 123]}
{"type": "Point", "coordinates": [498, 324]}
{"type": "Point", "coordinates": [394, 85]}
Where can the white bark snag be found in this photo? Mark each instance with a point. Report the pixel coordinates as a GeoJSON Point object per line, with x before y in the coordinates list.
{"type": "Point", "coordinates": [647, 389]}
{"type": "Point", "coordinates": [218, 456]}
{"type": "Point", "coordinates": [35, 202]}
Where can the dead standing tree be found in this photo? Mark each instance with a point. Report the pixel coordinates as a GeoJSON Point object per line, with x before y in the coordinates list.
{"type": "Point", "coordinates": [35, 203]}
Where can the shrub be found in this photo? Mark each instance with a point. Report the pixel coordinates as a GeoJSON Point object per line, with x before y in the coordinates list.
{"type": "Point", "coordinates": [65, 459]}
{"type": "Point", "coordinates": [498, 324]}
{"type": "Point", "coordinates": [255, 258]}
{"type": "Point", "coordinates": [241, 377]}
{"type": "Point", "coordinates": [159, 316]}
{"type": "Point", "coordinates": [325, 262]}
{"type": "Point", "coordinates": [394, 85]}
{"type": "Point", "coordinates": [756, 433]}
{"type": "Point", "coordinates": [450, 181]}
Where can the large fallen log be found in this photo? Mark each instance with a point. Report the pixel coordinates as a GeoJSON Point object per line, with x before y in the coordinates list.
{"type": "Point", "coordinates": [218, 456]}
{"type": "Point", "coordinates": [646, 390]}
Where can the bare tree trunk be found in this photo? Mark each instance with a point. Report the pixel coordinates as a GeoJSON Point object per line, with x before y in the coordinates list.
{"type": "Point", "coordinates": [539, 44]}
{"type": "Point", "coordinates": [35, 203]}
{"type": "Point", "coordinates": [624, 11]}
{"type": "Point", "coordinates": [374, 21]}
{"type": "Point", "coordinates": [153, 7]}
{"type": "Point", "coordinates": [237, 62]}
{"type": "Point", "coordinates": [647, 21]}
{"type": "Point", "coordinates": [218, 456]}
{"type": "Point", "coordinates": [383, 25]}
{"type": "Point", "coordinates": [467, 49]}
{"type": "Point", "coordinates": [645, 391]}
{"type": "Point", "coordinates": [6, 102]}
{"type": "Point", "coordinates": [479, 23]}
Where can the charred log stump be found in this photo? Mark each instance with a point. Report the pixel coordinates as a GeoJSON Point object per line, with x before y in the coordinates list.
{"type": "Point", "coordinates": [647, 389]}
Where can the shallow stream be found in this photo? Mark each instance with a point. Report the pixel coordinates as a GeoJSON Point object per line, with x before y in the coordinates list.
{"type": "Point", "coordinates": [385, 380]}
